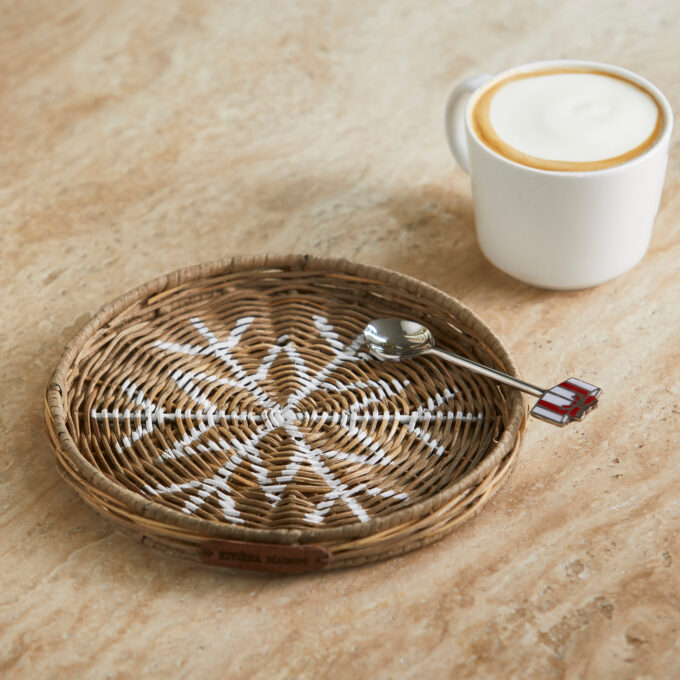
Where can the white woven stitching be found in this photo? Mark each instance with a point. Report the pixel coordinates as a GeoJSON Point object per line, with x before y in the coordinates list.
{"type": "Point", "coordinates": [274, 416]}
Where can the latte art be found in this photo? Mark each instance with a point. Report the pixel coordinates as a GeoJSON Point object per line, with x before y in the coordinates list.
{"type": "Point", "coordinates": [567, 119]}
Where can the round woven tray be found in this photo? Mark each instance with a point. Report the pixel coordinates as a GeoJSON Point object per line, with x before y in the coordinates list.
{"type": "Point", "coordinates": [230, 413]}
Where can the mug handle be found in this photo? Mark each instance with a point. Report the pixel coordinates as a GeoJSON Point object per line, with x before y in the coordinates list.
{"type": "Point", "coordinates": [455, 118]}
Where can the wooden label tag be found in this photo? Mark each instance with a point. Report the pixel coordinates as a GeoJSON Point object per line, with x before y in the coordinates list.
{"type": "Point", "coordinates": [272, 557]}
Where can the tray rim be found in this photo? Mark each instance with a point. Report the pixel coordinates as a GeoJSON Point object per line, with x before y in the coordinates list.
{"type": "Point", "coordinates": [137, 504]}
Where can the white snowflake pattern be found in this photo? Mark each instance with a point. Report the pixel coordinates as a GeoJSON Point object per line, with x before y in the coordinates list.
{"type": "Point", "coordinates": [269, 416]}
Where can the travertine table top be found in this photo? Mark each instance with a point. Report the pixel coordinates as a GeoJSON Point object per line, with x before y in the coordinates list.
{"type": "Point", "coordinates": [137, 138]}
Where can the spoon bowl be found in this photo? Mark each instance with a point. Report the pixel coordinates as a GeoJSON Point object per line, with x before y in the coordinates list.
{"type": "Point", "coordinates": [395, 339]}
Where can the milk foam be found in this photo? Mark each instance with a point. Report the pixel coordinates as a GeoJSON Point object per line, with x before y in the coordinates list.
{"type": "Point", "coordinates": [573, 117]}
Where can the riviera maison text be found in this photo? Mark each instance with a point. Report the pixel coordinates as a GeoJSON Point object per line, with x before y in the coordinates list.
{"type": "Point", "coordinates": [242, 556]}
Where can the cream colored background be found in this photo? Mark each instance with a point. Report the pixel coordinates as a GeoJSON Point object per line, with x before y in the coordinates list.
{"type": "Point", "coordinates": [139, 137]}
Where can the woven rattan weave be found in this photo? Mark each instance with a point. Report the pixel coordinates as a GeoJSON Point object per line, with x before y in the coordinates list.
{"type": "Point", "coordinates": [230, 413]}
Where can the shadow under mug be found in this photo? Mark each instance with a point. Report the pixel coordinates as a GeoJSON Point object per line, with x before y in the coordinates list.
{"type": "Point", "coordinates": [559, 229]}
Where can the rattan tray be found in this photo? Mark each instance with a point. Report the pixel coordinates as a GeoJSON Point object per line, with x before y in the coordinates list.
{"type": "Point", "coordinates": [230, 413]}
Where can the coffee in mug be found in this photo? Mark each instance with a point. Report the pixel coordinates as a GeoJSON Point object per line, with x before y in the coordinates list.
{"type": "Point", "coordinates": [567, 161]}
{"type": "Point", "coordinates": [567, 119]}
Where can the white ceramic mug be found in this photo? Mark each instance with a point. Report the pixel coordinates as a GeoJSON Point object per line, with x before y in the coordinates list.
{"type": "Point", "coordinates": [559, 229]}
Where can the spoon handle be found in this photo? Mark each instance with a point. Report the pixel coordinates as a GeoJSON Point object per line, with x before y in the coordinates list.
{"type": "Point", "coordinates": [488, 372]}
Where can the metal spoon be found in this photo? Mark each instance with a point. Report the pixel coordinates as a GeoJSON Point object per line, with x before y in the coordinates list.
{"type": "Point", "coordinates": [396, 339]}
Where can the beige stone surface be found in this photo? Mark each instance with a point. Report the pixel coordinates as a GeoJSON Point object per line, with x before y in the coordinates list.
{"type": "Point", "coordinates": [139, 137]}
